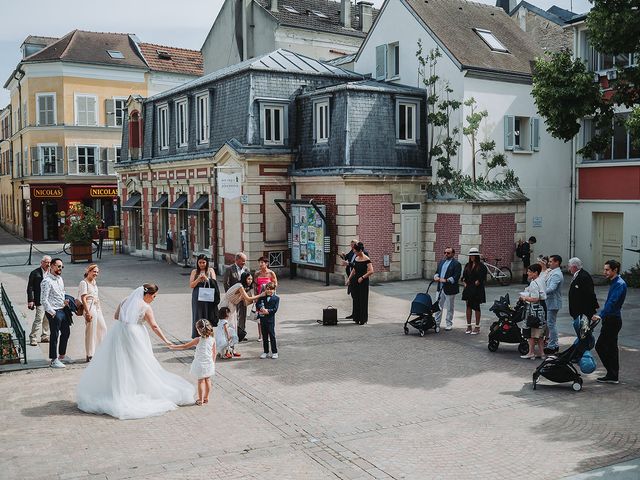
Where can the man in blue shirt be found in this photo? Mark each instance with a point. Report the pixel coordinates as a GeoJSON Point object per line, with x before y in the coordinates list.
{"type": "Point", "coordinates": [611, 315]}
{"type": "Point", "coordinates": [447, 275]}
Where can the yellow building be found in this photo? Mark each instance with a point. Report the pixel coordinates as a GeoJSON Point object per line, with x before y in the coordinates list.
{"type": "Point", "coordinates": [67, 104]}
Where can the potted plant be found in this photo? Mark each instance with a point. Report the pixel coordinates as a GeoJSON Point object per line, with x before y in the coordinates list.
{"type": "Point", "coordinates": [82, 223]}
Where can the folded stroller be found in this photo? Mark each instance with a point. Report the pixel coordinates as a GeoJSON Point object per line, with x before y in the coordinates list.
{"type": "Point", "coordinates": [423, 308]}
{"type": "Point", "coordinates": [506, 329]}
{"type": "Point", "coordinates": [561, 368]}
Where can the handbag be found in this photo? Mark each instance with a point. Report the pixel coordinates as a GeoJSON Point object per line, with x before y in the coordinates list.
{"type": "Point", "coordinates": [252, 315]}
{"type": "Point", "coordinates": [535, 316]}
{"type": "Point", "coordinates": [329, 316]}
{"type": "Point", "coordinates": [207, 294]}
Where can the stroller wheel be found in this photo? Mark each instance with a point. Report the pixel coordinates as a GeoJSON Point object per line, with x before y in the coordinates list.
{"type": "Point", "coordinates": [493, 345]}
{"type": "Point", "coordinates": [523, 348]}
{"type": "Point", "coordinates": [422, 333]}
{"type": "Point", "coordinates": [577, 386]}
{"type": "Point", "coordinates": [406, 330]}
{"type": "Point", "coordinates": [437, 329]}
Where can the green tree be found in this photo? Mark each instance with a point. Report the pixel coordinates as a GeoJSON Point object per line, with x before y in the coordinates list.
{"type": "Point", "coordinates": [565, 90]}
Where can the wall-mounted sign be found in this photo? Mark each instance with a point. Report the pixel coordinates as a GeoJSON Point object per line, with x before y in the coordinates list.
{"type": "Point", "coordinates": [46, 192]}
{"type": "Point", "coordinates": [537, 221]}
{"type": "Point", "coordinates": [229, 185]}
{"type": "Point", "coordinates": [308, 235]}
{"type": "Point", "coordinates": [103, 192]}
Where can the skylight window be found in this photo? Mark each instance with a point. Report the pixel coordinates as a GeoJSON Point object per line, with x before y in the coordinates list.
{"type": "Point", "coordinates": [493, 43]}
{"type": "Point", "coordinates": [115, 53]}
{"type": "Point", "coordinates": [319, 14]}
{"type": "Point", "coordinates": [290, 9]}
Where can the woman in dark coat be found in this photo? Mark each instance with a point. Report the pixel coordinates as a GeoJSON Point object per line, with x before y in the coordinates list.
{"type": "Point", "coordinates": [474, 278]}
{"type": "Point", "coordinates": [203, 276]}
{"type": "Point", "coordinates": [359, 282]}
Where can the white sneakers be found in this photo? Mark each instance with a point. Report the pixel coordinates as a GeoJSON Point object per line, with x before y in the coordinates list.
{"type": "Point", "coordinates": [275, 355]}
{"type": "Point", "coordinates": [267, 355]}
{"type": "Point", "coordinates": [56, 364]}
{"type": "Point", "coordinates": [264, 355]}
{"type": "Point", "coordinates": [67, 360]}
{"type": "Point", "coordinates": [448, 328]}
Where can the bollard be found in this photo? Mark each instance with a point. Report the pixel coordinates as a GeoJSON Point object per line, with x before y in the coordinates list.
{"type": "Point", "coordinates": [30, 252]}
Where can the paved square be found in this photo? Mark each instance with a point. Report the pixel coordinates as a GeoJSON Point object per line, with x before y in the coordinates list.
{"type": "Point", "coordinates": [346, 402]}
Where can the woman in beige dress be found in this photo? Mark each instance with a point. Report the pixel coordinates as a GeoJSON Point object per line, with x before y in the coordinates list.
{"type": "Point", "coordinates": [95, 328]}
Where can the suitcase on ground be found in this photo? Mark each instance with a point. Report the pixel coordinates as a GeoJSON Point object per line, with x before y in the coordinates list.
{"type": "Point", "coordinates": [329, 316]}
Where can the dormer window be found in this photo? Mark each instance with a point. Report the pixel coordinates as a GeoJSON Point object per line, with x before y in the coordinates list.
{"type": "Point", "coordinates": [490, 39]}
{"type": "Point", "coordinates": [163, 55]}
{"type": "Point", "coordinates": [290, 9]}
{"type": "Point", "coordinates": [115, 54]}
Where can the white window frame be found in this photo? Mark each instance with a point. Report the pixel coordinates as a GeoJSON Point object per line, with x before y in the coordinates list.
{"type": "Point", "coordinates": [269, 109]}
{"type": "Point", "coordinates": [117, 158]}
{"type": "Point", "coordinates": [491, 40]}
{"type": "Point", "coordinates": [321, 120]}
{"type": "Point", "coordinates": [115, 110]}
{"type": "Point", "coordinates": [203, 109]}
{"type": "Point", "coordinates": [525, 138]}
{"type": "Point", "coordinates": [96, 159]}
{"type": "Point", "coordinates": [40, 95]}
{"type": "Point", "coordinates": [163, 126]}
{"type": "Point", "coordinates": [76, 97]}
{"type": "Point", "coordinates": [182, 129]}
{"type": "Point", "coordinates": [413, 105]}
{"type": "Point", "coordinates": [41, 149]}
{"type": "Point", "coordinates": [393, 52]}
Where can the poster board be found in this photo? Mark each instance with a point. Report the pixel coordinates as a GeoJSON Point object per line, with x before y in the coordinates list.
{"type": "Point", "coordinates": [308, 232]}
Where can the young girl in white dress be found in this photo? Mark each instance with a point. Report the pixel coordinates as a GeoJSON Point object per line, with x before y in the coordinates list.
{"type": "Point", "coordinates": [203, 366]}
{"type": "Point", "coordinates": [226, 336]}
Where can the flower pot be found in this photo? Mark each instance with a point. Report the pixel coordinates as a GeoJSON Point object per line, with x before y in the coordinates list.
{"type": "Point", "coordinates": [81, 251]}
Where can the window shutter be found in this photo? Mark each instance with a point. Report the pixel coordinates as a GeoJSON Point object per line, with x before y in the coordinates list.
{"type": "Point", "coordinates": [381, 62]}
{"type": "Point", "coordinates": [110, 112]}
{"type": "Point", "coordinates": [35, 162]}
{"type": "Point", "coordinates": [509, 127]}
{"type": "Point", "coordinates": [111, 160]}
{"type": "Point", "coordinates": [92, 118]}
{"type": "Point", "coordinates": [72, 158]}
{"type": "Point", "coordinates": [101, 160]}
{"type": "Point", "coordinates": [535, 134]}
{"type": "Point", "coordinates": [40, 108]}
{"type": "Point", "coordinates": [59, 160]}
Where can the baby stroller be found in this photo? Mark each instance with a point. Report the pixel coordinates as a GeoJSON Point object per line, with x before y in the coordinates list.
{"type": "Point", "coordinates": [561, 368]}
{"type": "Point", "coordinates": [424, 308]}
{"type": "Point", "coordinates": [506, 329]}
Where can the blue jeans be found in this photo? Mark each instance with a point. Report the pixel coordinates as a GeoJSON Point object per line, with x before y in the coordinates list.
{"type": "Point", "coordinates": [552, 315]}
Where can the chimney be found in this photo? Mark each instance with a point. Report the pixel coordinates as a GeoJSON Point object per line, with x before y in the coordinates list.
{"type": "Point", "coordinates": [366, 15]}
{"type": "Point", "coordinates": [506, 5]}
{"type": "Point", "coordinates": [345, 14]}
{"type": "Point", "coordinates": [274, 6]}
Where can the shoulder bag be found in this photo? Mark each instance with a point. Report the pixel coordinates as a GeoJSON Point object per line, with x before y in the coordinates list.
{"type": "Point", "coordinates": [535, 315]}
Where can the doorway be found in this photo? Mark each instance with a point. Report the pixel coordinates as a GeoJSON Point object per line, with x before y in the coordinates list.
{"type": "Point", "coordinates": [410, 221]}
{"type": "Point", "coordinates": [135, 227]}
{"type": "Point", "coordinates": [49, 221]}
{"type": "Point", "coordinates": [607, 244]}
{"type": "Point", "coordinates": [182, 220]}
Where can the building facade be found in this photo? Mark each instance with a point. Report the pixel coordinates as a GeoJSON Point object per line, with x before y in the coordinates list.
{"type": "Point", "coordinates": [282, 127]}
{"type": "Point", "coordinates": [546, 27]}
{"type": "Point", "coordinates": [67, 107]}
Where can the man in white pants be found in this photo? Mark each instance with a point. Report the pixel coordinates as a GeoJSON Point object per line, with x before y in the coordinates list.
{"type": "Point", "coordinates": [447, 275]}
{"type": "Point", "coordinates": [40, 322]}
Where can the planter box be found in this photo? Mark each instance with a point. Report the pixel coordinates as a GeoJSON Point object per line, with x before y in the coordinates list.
{"type": "Point", "coordinates": [81, 252]}
{"type": "Point", "coordinates": [8, 351]}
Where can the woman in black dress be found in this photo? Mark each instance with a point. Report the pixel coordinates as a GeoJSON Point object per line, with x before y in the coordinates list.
{"type": "Point", "coordinates": [359, 284]}
{"type": "Point", "coordinates": [203, 276]}
{"type": "Point", "coordinates": [474, 277]}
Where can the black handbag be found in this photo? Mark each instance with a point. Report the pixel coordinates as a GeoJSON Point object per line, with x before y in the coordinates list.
{"type": "Point", "coordinates": [329, 316]}
{"type": "Point", "coordinates": [534, 316]}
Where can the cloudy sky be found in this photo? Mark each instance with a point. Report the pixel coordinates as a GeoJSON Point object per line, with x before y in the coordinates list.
{"type": "Point", "coordinates": [180, 24]}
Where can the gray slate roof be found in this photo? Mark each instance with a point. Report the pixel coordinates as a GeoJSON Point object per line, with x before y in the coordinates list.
{"type": "Point", "coordinates": [453, 21]}
{"type": "Point", "coordinates": [343, 60]}
{"type": "Point", "coordinates": [557, 15]}
{"type": "Point", "coordinates": [369, 85]}
{"type": "Point", "coordinates": [280, 60]}
{"type": "Point", "coordinates": [306, 19]}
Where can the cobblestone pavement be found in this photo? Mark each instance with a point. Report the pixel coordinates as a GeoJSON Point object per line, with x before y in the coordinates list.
{"type": "Point", "coordinates": [344, 402]}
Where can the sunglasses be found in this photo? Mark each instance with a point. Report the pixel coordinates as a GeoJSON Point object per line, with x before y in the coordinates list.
{"type": "Point", "coordinates": [59, 266]}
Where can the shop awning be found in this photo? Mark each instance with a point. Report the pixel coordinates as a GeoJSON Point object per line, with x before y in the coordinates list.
{"type": "Point", "coordinates": [134, 201]}
{"type": "Point", "coordinates": [161, 202]}
{"type": "Point", "coordinates": [199, 205]}
{"type": "Point", "coordinates": [181, 202]}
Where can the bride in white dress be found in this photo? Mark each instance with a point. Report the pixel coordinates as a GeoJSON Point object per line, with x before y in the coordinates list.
{"type": "Point", "coordinates": [124, 379]}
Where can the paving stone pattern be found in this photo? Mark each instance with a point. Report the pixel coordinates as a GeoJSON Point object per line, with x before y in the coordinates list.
{"type": "Point", "coordinates": [345, 402]}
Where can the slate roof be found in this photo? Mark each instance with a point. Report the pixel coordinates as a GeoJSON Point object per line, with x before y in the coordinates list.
{"type": "Point", "coordinates": [307, 20]}
{"type": "Point", "coordinates": [280, 60]}
{"type": "Point", "coordinates": [557, 15]}
{"type": "Point", "coordinates": [177, 60]}
{"type": "Point", "coordinates": [453, 23]}
{"type": "Point", "coordinates": [343, 60]}
{"type": "Point", "coordinates": [39, 40]}
{"type": "Point", "coordinates": [369, 85]}
{"type": "Point", "coordinates": [90, 47]}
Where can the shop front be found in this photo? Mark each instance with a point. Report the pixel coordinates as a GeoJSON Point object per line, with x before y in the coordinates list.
{"type": "Point", "coordinates": [49, 205]}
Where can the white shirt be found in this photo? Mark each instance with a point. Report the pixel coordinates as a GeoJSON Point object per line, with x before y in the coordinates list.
{"type": "Point", "coordinates": [536, 289]}
{"type": "Point", "coordinates": [52, 293]}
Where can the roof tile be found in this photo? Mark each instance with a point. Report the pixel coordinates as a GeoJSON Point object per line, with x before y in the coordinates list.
{"type": "Point", "coordinates": [178, 60]}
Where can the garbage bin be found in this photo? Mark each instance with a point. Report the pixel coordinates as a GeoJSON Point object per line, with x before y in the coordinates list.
{"type": "Point", "coordinates": [114, 233]}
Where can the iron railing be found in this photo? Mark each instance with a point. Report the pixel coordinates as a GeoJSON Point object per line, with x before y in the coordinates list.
{"type": "Point", "coordinates": [18, 331]}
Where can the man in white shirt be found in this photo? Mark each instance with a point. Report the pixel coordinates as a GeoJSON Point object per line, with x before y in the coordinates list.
{"type": "Point", "coordinates": [53, 301]}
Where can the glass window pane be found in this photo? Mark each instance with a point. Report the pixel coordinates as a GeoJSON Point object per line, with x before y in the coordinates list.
{"type": "Point", "coordinates": [619, 142]}
{"type": "Point", "coordinates": [277, 118]}
{"type": "Point", "coordinates": [267, 124]}
{"type": "Point", "coordinates": [402, 133]}
{"type": "Point", "coordinates": [410, 110]}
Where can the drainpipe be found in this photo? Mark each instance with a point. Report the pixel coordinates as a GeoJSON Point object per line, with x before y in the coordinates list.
{"type": "Point", "coordinates": [19, 75]}
{"type": "Point", "coordinates": [214, 203]}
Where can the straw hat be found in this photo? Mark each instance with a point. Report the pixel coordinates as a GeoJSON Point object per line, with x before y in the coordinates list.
{"type": "Point", "coordinates": [473, 251]}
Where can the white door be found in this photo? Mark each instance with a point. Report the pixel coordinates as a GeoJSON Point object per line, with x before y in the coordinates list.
{"type": "Point", "coordinates": [410, 240]}
{"type": "Point", "coordinates": [608, 239]}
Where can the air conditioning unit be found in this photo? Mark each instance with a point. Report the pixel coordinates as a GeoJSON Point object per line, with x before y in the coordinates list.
{"type": "Point", "coordinates": [612, 74]}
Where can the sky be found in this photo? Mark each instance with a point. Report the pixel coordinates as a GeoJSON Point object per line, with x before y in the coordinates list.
{"type": "Point", "coordinates": [167, 22]}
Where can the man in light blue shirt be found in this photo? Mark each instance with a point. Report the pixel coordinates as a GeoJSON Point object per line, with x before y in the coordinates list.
{"type": "Point", "coordinates": [448, 276]}
{"type": "Point", "coordinates": [553, 290]}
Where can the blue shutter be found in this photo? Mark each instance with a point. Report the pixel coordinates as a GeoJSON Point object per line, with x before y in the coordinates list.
{"type": "Point", "coordinates": [535, 134]}
{"type": "Point", "coordinates": [381, 62]}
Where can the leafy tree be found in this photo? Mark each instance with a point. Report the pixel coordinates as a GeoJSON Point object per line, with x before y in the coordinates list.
{"type": "Point", "coordinates": [565, 91]}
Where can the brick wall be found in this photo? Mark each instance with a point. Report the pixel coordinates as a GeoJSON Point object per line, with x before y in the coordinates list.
{"type": "Point", "coordinates": [376, 228]}
{"type": "Point", "coordinates": [329, 201]}
{"type": "Point", "coordinates": [497, 231]}
{"type": "Point", "coordinates": [448, 230]}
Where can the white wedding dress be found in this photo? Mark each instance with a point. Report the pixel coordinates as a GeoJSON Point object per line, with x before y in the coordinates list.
{"type": "Point", "coordinates": [124, 379]}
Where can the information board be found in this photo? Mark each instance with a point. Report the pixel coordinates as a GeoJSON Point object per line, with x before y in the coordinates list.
{"type": "Point", "coordinates": [308, 232]}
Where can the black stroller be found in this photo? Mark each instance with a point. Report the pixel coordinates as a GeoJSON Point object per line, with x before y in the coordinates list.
{"type": "Point", "coordinates": [424, 308]}
{"type": "Point", "coordinates": [506, 329]}
{"type": "Point", "coordinates": [561, 368]}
